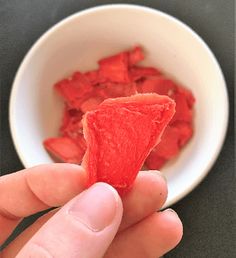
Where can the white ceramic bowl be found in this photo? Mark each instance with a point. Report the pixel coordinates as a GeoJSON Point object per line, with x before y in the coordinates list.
{"type": "Point", "coordinates": [76, 43]}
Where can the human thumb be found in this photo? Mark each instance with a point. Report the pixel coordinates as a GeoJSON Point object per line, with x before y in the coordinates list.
{"type": "Point", "coordinates": [83, 228]}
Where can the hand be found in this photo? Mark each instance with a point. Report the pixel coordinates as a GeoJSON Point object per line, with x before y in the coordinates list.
{"type": "Point", "coordinates": [95, 223]}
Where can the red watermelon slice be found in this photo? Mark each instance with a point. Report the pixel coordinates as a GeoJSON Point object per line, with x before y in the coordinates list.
{"type": "Point", "coordinates": [64, 148]}
{"type": "Point", "coordinates": [120, 134]}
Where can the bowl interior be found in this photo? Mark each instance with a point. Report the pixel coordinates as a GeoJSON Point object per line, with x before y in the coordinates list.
{"type": "Point", "coordinates": [78, 42]}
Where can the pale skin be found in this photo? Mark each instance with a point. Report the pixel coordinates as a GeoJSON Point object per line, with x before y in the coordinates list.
{"type": "Point", "coordinates": [89, 223]}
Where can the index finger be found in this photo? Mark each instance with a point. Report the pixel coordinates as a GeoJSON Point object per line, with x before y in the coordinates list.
{"type": "Point", "coordinates": [32, 190]}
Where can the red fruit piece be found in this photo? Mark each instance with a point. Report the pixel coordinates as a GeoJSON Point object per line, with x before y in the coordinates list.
{"type": "Point", "coordinates": [183, 111]}
{"type": "Point", "coordinates": [114, 90]}
{"type": "Point", "coordinates": [174, 137]}
{"type": "Point", "coordinates": [185, 132]}
{"type": "Point", "coordinates": [159, 85]}
{"type": "Point", "coordinates": [65, 149]}
{"type": "Point", "coordinates": [114, 68]}
{"type": "Point", "coordinates": [164, 86]}
{"type": "Point", "coordinates": [93, 77]}
{"type": "Point", "coordinates": [169, 144]}
{"type": "Point", "coordinates": [71, 125]}
{"type": "Point", "coordinates": [120, 134]}
{"type": "Point", "coordinates": [90, 104]}
{"type": "Point", "coordinates": [80, 141]}
{"type": "Point", "coordinates": [139, 72]}
{"type": "Point", "coordinates": [65, 119]}
{"type": "Point", "coordinates": [154, 161]}
{"type": "Point", "coordinates": [188, 95]}
{"type": "Point", "coordinates": [75, 89]}
{"type": "Point", "coordinates": [135, 55]}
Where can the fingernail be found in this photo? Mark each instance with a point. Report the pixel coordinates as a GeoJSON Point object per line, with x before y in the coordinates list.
{"type": "Point", "coordinates": [96, 207]}
{"type": "Point", "coordinates": [171, 210]}
{"type": "Point", "coordinates": [157, 172]}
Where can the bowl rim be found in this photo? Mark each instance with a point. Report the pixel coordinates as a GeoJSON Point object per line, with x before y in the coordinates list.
{"type": "Point", "coordinates": [188, 188]}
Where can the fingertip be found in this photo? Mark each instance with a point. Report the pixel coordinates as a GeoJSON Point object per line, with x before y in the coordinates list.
{"type": "Point", "coordinates": [153, 183]}
{"type": "Point", "coordinates": [55, 184]}
{"type": "Point", "coordinates": [160, 232]}
{"type": "Point", "coordinates": [173, 228]}
{"type": "Point", "coordinates": [156, 173]}
{"type": "Point", "coordinates": [108, 187]}
{"type": "Point", "coordinates": [100, 204]}
{"type": "Point", "coordinates": [147, 195]}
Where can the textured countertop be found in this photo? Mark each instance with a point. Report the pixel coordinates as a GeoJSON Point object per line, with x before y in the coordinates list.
{"type": "Point", "coordinates": [208, 213]}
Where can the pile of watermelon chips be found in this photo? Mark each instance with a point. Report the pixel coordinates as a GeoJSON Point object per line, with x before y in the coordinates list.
{"type": "Point", "coordinates": [120, 76]}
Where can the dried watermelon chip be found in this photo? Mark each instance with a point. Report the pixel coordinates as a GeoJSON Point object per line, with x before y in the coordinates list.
{"type": "Point", "coordinates": [188, 95]}
{"type": "Point", "coordinates": [71, 123]}
{"type": "Point", "coordinates": [140, 72]}
{"type": "Point", "coordinates": [114, 68]}
{"type": "Point", "coordinates": [70, 116]}
{"type": "Point", "coordinates": [75, 89]}
{"type": "Point", "coordinates": [72, 128]}
{"type": "Point", "coordinates": [183, 111]}
{"type": "Point", "coordinates": [174, 137]}
{"type": "Point", "coordinates": [185, 131]}
{"type": "Point", "coordinates": [90, 104]}
{"type": "Point", "coordinates": [169, 144]}
{"type": "Point", "coordinates": [120, 134]}
{"type": "Point", "coordinates": [135, 55]}
{"type": "Point", "coordinates": [154, 161]}
{"type": "Point", "coordinates": [159, 84]}
{"type": "Point", "coordinates": [80, 141]}
{"type": "Point", "coordinates": [65, 118]}
{"type": "Point", "coordinates": [114, 90]}
{"type": "Point", "coordinates": [93, 77]}
{"type": "Point", "coordinates": [65, 149]}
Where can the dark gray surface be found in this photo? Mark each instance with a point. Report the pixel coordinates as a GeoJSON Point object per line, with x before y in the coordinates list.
{"type": "Point", "coordinates": [208, 213]}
